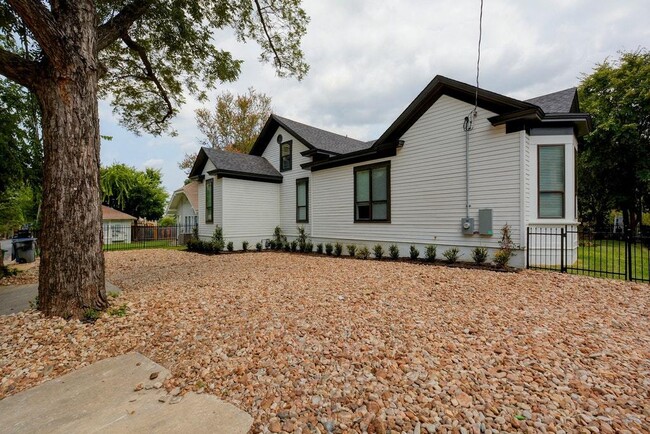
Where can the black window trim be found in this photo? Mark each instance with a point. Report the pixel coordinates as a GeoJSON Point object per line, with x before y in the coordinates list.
{"type": "Point", "coordinates": [370, 167]}
{"type": "Point", "coordinates": [209, 182]}
{"type": "Point", "coordinates": [539, 190]}
{"type": "Point", "coordinates": [290, 143]}
{"type": "Point", "coordinates": [306, 182]}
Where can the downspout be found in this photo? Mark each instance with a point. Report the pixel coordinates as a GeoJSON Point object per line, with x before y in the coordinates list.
{"type": "Point", "coordinates": [467, 126]}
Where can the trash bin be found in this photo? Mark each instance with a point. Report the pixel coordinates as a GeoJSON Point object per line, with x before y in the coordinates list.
{"type": "Point", "coordinates": [23, 249]}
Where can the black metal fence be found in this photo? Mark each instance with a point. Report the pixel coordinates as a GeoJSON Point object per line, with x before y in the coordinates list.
{"type": "Point", "coordinates": [599, 253]}
{"type": "Point", "coordinates": [127, 237]}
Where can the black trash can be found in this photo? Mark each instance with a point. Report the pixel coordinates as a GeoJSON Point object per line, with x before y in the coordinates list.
{"type": "Point", "coordinates": [23, 248]}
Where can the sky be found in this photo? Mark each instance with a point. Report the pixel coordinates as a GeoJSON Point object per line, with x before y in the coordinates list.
{"type": "Point", "coordinates": [369, 59]}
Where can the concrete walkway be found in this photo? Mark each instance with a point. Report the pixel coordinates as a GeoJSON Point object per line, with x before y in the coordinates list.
{"type": "Point", "coordinates": [102, 398]}
{"type": "Point", "coordinates": [16, 298]}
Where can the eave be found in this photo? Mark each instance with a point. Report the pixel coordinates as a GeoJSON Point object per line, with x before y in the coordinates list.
{"type": "Point", "coordinates": [220, 173]}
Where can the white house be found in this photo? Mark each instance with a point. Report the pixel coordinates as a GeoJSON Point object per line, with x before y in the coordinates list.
{"type": "Point", "coordinates": [425, 180]}
{"type": "Point", "coordinates": [184, 206]}
{"type": "Point", "coordinates": [116, 225]}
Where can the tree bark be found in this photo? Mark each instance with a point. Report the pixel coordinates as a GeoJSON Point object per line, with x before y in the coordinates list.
{"type": "Point", "coordinates": [71, 277]}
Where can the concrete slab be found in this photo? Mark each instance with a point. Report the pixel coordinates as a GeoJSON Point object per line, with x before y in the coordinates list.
{"type": "Point", "coordinates": [100, 398]}
{"type": "Point", "coordinates": [16, 298]}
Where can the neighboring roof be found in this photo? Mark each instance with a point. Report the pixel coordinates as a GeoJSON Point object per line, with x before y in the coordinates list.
{"type": "Point", "coordinates": [563, 101]}
{"type": "Point", "coordinates": [235, 165]}
{"type": "Point", "coordinates": [190, 191]}
{"type": "Point", "coordinates": [312, 137]}
{"type": "Point", "coordinates": [109, 213]}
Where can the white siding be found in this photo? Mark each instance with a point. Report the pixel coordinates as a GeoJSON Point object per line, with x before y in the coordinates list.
{"type": "Point", "coordinates": [207, 229]}
{"type": "Point", "coordinates": [252, 210]}
{"type": "Point", "coordinates": [185, 215]}
{"type": "Point", "coordinates": [287, 196]}
{"type": "Point", "coordinates": [428, 184]}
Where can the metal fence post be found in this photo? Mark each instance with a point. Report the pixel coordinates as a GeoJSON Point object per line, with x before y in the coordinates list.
{"type": "Point", "coordinates": [527, 247]}
{"type": "Point", "coordinates": [562, 245]}
{"type": "Point", "coordinates": [628, 255]}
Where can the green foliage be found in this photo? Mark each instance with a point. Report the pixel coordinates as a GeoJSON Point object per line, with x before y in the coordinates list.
{"type": "Point", "coordinates": [113, 294]}
{"type": "Point", "coordinates": [230, 246]}
{"type": "Point", "coordinates": [294, 245]}
{"type": "Point", "coordinates": [91, 315]}
{"type": "Point", "coordinates": [328, 248]}
{"type": "Point", "coordinates": [309, 247]}
{"type": "Point", "coordinates": [319, 248]}
{"type": "Point", "coordinates": [613, 164]}
{"type": "Point", "coordinates": [502, 257]}
{"type": "Point", "coordinates": [244, 246]}
{"type": "Point", "coordinates": [167, 221]}
{"type": "Point", "coordinates": [258, 247]}
{"type": "Point", "coordinates": [302, 239]}
{"type": "Point", "coordinates": [217, 239]}
{"type": "Point", "coordinates": [135, 192]}
{"type": "Point", "coordinates": [18, 206]}
{"type": "Point", "coordinates": [378, 251]}
{"type": "Point", "coordinates": [363, 252]}
{"type": "Point", "coordinates": [118, 310]}
{"type": "Point", "coordinates": [414, 253]}
{"type": "Point", "coordinates": [430, 252]}
{"type": "Point", "coordinates": [7, 272]}
{"type": "Point", "coordinates": [279, 238]}
{"type": "Point", "coordinates": [506, 247]}
{"type": "Point", "coordinates": [352, 250]}
{"type": "Point", "coordinates": [451, 255]}
{"type": "Point", "coordinates": [286, 247]}
{"type": "Point", "coordinates": [338, 249]}
{"type": "Point", "coordinates": [393, 251]}
{"type": "Point", "coordinates": [479, 255]}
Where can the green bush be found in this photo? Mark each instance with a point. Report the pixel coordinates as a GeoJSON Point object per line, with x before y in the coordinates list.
{"type": "Point", "coordinates": [287, 247]}
{"type": "Point", "coordinates": [303, 238]}
{"type": "Point", "coordinates": [338, 249]}
{"type": "Point", "coordinates": [91, 315]}
{"type": "Point", "coordinates": [271, 244]}
{"type": "Point", "coordinates": [414, 253]}
{"type": "Point", "coordinates": [451, 255]}
{"type": "Point", "coordinates": [279, 238]}
{"type": "Point", "coordinates": [328, 249]}
{"type": "Point", "coordinates": [244, 246]}
{"type": "Point", "coordinates": [118, 310]}
{"type": "Point", "coordinates": [319, 248]}
{"type": "Point", "coordinates": [378, 251]}
{"type": "Point", "coordinates": [230, 246]}
{"type": "Point", "coordinates": [167, 221]}
{"type": "Point", "coordinates": [479, 255]}
{"type": "Point", "coordinates": [217, 239]}
{"type": "Point", "coordinates": [363, 252]}
{"type": "Point", "coordinates": [507, 247]}
{"type": "Point", "coordinates": [393, 251]}
{"type": "Point", "coordinates": [352, 250]}
{"type": "Point", "coordinates": [294, 245]}
{"type": "Point", "coordinates": [258, 246]}
{"type": "Point", "coordinates": [309, 247]}
{"type": "Point", "coordinates": [430, 252]}
{"type": "Point", "coordinates": [502, 257]}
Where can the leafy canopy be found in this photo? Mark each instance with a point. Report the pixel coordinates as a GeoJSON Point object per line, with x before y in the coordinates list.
{"type": "Point", "coordinates": [135, 192]}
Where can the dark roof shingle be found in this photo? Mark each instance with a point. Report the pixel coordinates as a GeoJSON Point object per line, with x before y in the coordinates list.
{"type": "Point", "coordinates": [226, 161]}
{"type": "Point", "coordinates": [563, 101]}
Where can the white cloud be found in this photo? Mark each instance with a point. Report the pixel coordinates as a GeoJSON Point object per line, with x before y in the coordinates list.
{"type": "Point", "coordinates": [153, 163]}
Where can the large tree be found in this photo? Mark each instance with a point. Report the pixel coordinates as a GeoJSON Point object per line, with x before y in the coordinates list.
{"type": "Point", "coordinates": [143, 54]}
{"type": "Point", "coordinates": [234, 124]}
{"type": "Point", "coordinates": [614, 161]}
{"type": "Point", "coordinates": [136, 192]}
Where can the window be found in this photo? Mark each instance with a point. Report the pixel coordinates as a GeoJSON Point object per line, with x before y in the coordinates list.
{"type": "Point", "coordinates": [285, 156]}
{"type": "Point", "coordinates": [372, 193]}
{"type": "Point", "coordinates": [302, 200]}
{"type": "Point", "coordinates": [209, 200]}
{"type": "Point", "coordinates": [550, 181]}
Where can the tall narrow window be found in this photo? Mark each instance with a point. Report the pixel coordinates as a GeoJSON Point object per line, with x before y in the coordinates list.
{"type": "Point", "coordinates": [209, 200]}
{"type": "Point", "coordinates": [285, 156]}
{"type": "Point", "coordinates": [372, 193]}
{"type": "Point", "coordinates": [550, 181]}
{"type": "Point", "coordinates": [302, 200]}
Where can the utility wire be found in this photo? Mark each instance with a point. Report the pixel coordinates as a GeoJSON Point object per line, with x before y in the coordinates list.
{"type": "Point", "coordinates": [478, 59]}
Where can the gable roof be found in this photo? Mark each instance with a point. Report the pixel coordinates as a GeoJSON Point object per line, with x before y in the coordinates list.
{"type": "Point", "coordinates": [314, 138]}
{"type": "Point", "coordinates": [235, 165]}
{"type": "Point", "coordinates": [563, 101]}
{"type": "Point", "coordinates": [190, 191]}
{"type": "Point", "coordinates": [109, 213]}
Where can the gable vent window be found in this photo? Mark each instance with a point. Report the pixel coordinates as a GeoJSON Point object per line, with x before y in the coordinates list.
{"type": "Point", "coordinates": [285, 155]}
{"type": "Point", "coordinates": [302, 200]}
{"type": "Point", "coordinates": [209, 200]}
{"type": "Point", "coordinates": [550, 201]}
{"type": "Point", "coordinates": [372, 193]}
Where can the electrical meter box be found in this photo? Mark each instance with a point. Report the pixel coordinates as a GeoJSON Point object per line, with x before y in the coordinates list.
{"type": "Point", "coordinates": [485, 221]}
{"type": "Point", "coordinates": [467, 225]}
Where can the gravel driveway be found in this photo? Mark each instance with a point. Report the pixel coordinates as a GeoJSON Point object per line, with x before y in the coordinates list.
{"type": "Point", "coordinates": [348, 345]}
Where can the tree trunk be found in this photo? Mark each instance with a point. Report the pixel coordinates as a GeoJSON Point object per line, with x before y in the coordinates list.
{"type": "Point", "coordinates": [71, 277]}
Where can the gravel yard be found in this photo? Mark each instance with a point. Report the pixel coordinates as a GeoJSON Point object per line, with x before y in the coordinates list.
{"type": "Point", "coordinates": [341, 345]}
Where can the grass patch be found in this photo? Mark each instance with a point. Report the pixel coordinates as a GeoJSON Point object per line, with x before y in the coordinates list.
{"type": "Point", "coordinates": [155, 244]}
{"type": "Point", "coordinates": [608, 257]}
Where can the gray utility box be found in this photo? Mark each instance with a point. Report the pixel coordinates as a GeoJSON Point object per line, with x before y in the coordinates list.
{"type": "Point", "coordinates": [467, 225]}
{"type": "Point", "coordinates": [485, 221]}
{"type": "Point", "coordinates": [24, 250]}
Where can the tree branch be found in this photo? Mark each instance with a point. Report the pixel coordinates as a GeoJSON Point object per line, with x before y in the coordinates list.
{"type": "Point", "coordinates": [142, 53]}
{"type": "Point", "coordinates": [43, 26]}
{"type": "Point", "coordinates": [18, 69]}
{"type": "Point", "coordinates": [114, 28]}
{"type": "Point", "coordinates": [266, 32]}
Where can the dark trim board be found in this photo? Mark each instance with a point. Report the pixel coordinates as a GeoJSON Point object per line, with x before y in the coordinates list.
{"type": "Point", "coordinates": [220, 173]}
{"type": "Point", "coordinates": [356, 157]}
{"type": "Point", "coordinates": [306, 182]}
{"type": "Point", "coordinates": [370, 167]}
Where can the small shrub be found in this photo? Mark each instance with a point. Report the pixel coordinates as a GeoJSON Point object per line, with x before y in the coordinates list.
{"type": "Point", "coordinates": [430, 252]}
{"type": "Point", "coordinates": [414, 253]}
{"type": "Point", "coordinates": [507, 247]}
{"type": "Point", "coordinates": [91, 315]}
{"type": "Point", "coordinates": [294, 245]}
{"type": "Point", "coordinates": [363, 253]}
{"type": "Point", "coordinates": [244, 246]}
{"type": "Point", "coordinates": [113, 294]}
{"type": "Point", "coordinates": [352, 250]}
{"type": "Point", "coordinates": [6, 271]}
{"type": "Point", "coordinates": [328, 249]}
{"type": "Point", "coordinates": [118, 310]}
{"type": "Point", "coordinates": [479, 255]}
{"type": "Point", "coordinates": [258, 247]}
{"type": "Point", "coordinates": [271, 244]}
{"type": "Point", "coordinates": [230, 246]}
{"type": "Point", "coordinates": [217, 239]}
{"type": "Point", "coordinates": [378, 251]}
{"type": "Point", "coordinates": [309, 247]}
{"type": "Point", "coordinates": [451, 255]}
{"type": "Point", "coordinates": [302, 238]}
{"type": "Point", "coordinates": [319, 248]}
{"type": "Point", "coordinates": [393, 251]}
{"type": "Point", "coordinates": [502, 257]}
{"type": "Point", "coordinates": [287, 247]}
{"type": "Point", "coordinates": [338, 249]}
{"type": "Point", "coordinates": [279, 238]}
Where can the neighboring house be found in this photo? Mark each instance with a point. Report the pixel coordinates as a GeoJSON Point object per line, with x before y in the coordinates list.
{"type": "Point", "coordinates": [116, 225]}
{"type": "Point", "coordinates": [421, 182]}
{"type": "Point", "coordinates": [184, 206]}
